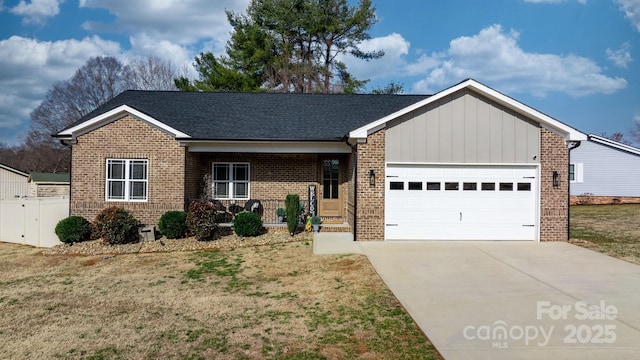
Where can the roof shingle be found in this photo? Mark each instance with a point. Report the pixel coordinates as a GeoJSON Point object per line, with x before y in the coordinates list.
{"type": "Point", "coordinates": [260, 116]}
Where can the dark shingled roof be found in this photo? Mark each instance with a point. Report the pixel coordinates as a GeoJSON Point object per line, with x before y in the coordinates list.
{"type": "Point", "coordinates": [260, 116]}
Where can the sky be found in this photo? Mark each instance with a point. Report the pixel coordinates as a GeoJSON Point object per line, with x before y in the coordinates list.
{"type": "Point", "coordinates": [574, 60]}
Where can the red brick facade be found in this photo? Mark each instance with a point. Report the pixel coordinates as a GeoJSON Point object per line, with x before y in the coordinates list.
{"type": "Point", "coordinates": [370, 211]}
{"type": "Point", "coordinates": [176, 176]}
{"type": "Point", "coordinates": [127, 138]}
{"type": "Point", "coordinates": [554, 201]}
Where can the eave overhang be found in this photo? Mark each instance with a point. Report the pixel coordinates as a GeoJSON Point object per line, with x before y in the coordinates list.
{"type": "Point", "coordinates": [69, 135]}
{"type": "Point", "coordinates": [266, 146]}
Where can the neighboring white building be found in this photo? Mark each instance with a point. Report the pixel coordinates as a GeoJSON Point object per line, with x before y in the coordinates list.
{"type": "Point", "coordinates": [13, 182]}
{"type": "Point", "coordinates": [603, 167]}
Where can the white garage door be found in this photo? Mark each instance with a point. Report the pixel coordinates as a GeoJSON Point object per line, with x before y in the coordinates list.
{"type": "Point", "coordinates": [461, 202]}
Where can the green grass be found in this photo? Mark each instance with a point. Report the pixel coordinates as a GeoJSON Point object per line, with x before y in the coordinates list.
{"type": "Point", "coordinates": [610, 229]}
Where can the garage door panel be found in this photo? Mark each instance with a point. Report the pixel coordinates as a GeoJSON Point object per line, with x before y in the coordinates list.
{"type": "Point", "coordinates": [507, 211]}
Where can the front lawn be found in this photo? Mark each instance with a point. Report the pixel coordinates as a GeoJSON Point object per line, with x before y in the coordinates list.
{"type": "Point", "coordinates": [275, 301]}
{"type": "Point", "coordinates": [610, 229]}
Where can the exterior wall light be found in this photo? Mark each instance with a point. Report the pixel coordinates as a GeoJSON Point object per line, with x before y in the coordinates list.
{"type": "Point", "coordinates": [372, 177]}
{"type": "Point", "coordinates": [556, 179]}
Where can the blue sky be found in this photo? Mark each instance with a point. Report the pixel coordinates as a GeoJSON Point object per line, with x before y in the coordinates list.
{"type": "Point", "coordinates": [575, 60]}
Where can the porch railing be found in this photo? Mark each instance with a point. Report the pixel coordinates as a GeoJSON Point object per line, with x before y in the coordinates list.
{"type": "Point", "coordinates": [265, 208]}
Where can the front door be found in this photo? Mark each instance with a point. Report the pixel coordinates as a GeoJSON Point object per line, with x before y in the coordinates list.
{"type": "Point", "coordinates": [330, 204]}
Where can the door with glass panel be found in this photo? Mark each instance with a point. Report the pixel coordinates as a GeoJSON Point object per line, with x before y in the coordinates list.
{"type": "Point", "coordinates": [330, 197]}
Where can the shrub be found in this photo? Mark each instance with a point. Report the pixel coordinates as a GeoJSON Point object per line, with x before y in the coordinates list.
{"type": "Point", "coordinates": [116, 225]}
{"type": "Point", "coordinates": [292, 205]}
{"type": "Point", "coordinates": [247, 224]}
{"type": "Point", "coordinates": [202, 220]}
{"type": "Point", "coordinates": [73, 229]}
{"type": "Point", "coordinates": [316, 220]}
{"type": "Point", "coordinates": [173, 224]}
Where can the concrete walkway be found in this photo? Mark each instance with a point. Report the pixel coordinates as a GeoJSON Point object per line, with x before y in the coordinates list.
{"type": "Point", "coordinates": [510, 300]}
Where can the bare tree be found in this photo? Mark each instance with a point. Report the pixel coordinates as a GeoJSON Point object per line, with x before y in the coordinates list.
{"type": "Point", "coordinates": [617, 136]}
{"type": "Point", "coordinates": [97, 81]}
{"type": "Point", "coordinates": [153, 73]}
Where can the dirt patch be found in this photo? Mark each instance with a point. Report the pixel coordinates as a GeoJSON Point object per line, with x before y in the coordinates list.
{"type": "Point", "coordinates": [269, 301]}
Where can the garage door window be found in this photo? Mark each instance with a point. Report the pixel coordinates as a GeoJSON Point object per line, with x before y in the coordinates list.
{"type": "Point", "coordinates": [506, 186]}
{"type": "Point", "coordinates": [451, 186]}
{"type": "Point", "coordinates": [488, 186]}
{"type": "Point", "coordinates": [415, 185]}
{"type": "Point", "coordinates": [469, 186]}
{"type": "Point", "coordinates": [433, 186]}
{"type": "Point", "coordinates": [396, 185]}
{"type": "Point", "coordinates": [524, 186]}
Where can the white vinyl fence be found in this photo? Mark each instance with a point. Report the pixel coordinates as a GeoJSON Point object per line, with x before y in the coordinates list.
{"type": "Point", "coordinates": [32, 221]}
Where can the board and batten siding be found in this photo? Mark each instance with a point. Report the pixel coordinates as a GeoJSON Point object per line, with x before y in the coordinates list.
{"type": "Point", "coordinates": [463, 128]}
{"type": "Point", "coordinates": [605, 171]}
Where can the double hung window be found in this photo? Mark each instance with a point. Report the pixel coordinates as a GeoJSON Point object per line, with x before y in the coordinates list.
{"type": "Point", "coordinates": [127, 179]}
{"type": "Point", "coordinates": [230, 180]}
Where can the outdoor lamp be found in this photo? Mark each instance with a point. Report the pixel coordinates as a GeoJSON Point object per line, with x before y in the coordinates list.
{"type": "Point", "coordinates": [372, 177]}
{"type": "Point", "coordinates": [556, 179]}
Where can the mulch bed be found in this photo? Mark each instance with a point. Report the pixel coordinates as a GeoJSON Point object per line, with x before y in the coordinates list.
{"type": "Point", "coordinates": [225, 241]}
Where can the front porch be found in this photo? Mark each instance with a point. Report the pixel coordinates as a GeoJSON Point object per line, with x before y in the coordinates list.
{"type": "Point", "coordinates": [267, 211]}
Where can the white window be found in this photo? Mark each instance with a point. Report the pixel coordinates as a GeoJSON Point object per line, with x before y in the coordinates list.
{"type": "Point", "coordinates": [230, 180]}
{"type": "Point", "coordinates": [576, 172]}
{"type": "Point", "coordinates": [127, 179]}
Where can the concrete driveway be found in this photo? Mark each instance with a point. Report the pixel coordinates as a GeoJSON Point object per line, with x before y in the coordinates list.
{"type": "Point", "coordinates": [513, 300]}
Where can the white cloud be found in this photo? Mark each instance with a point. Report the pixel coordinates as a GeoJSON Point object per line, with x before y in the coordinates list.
{"type": "Point", "coordinates": [395, 48]}
{"type": "Point", "coordinates": [631, 9]}
{"type": "Point", "coordinates": [495, 56]}
{"type": "Point", "coordinates": [183, 22]}
{"type": "Point", "coordinates": [28, 69]}
{"type": "Point", "coordinates": [36, 11]}
{"type": "Point", "coordinates": [620, 57]}
{"type": "Point", "coordinates": [174, 30]}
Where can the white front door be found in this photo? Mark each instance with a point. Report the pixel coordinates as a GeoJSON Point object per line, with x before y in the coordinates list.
{"type": "Point", "coordinates": [462, 202]}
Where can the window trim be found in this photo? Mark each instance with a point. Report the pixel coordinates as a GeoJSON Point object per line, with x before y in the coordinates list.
{"type": "Point", "coordinates": [127, 180]}
{"type": "Point", "coordinates": [232, 182]}
{"type": "Point", "coordinates": [578, 172]}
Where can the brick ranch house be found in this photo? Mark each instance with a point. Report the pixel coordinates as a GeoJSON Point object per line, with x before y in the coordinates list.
{"type": "Point", "coordinates": [465, 163]}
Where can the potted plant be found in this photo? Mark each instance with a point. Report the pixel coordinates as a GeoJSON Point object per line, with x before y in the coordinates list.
{"type": "Point", "coordinates": [315, 222]}
{"type": "Point", "coordinates": [280, 212]}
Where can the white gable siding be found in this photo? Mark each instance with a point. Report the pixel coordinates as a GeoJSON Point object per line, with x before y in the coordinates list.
{"type": "Point", "coordinates": [464, 127]}
{"type": "Point", "coordinates": [605, 171]}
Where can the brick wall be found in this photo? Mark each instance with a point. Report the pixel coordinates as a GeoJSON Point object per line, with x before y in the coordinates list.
{"type": "Point", "coordinates": [127, 138]}
{"type": "Point", "coordinates": [554, 207]}
{"type": "Point", "coordinates": [273, 176]}
{"type": "Point", "coordinates": [370, 211]}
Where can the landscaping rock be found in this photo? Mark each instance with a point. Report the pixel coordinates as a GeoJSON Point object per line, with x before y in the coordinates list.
{"type": "Point", "coordinates": [99, 247]}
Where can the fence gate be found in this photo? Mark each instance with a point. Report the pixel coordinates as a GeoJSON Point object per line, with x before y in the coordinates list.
{"type": "Point", "coordinates": [32, 221]}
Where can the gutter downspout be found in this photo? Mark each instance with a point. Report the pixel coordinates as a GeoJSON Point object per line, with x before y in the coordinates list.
{"type": "Point", "coordinates": [572, 145]}
{"type": "Point", "coordinates": [355, 186]}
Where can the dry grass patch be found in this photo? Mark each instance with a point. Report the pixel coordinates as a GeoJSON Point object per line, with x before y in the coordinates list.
{"type": "Point", "coordinates": [610, 229]}
{"type": "Point", "coordinates": [275, 301]}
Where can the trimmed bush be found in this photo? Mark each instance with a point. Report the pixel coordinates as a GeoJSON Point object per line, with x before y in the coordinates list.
{"type": "Point", "coordinates": [202, 220]}
{"type": "Point", "coordinates": [115, 225]}
{"type": "Point", "coordinates": [173, 224]}
{"type": "Point", "coordinates": [292, 208]}
{"type": "Point", "coordinates": [73, 229]}
{"type": "Point", "coordinates": [247, 224]}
